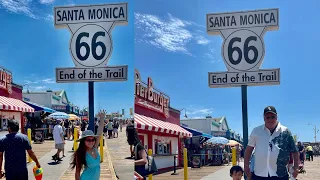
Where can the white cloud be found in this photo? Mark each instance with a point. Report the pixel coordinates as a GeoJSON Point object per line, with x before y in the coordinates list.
{"type": "Point", "coordinates": [204, 111]}
{"type": "Point", "coordinates": [49, 17]}
{"type": "Point", "coordinates": [39, 81]}
{"type": "Point", "coordinates": [212, 55]}
{"type": "Point", "coordinates": [48, 80]}
{"type": "Point", "coordinates": [170, 33]}
{"type": "Point", "coordinates": [46, 1]}
{"type": "Point", "coordinates": [202, 40]}
{"type": "Point", "coordinates": [18, 6]}
{"type": "Point", "coordinates": [28, 8]}
{"type": "Point", "coordinates": [37, 87]}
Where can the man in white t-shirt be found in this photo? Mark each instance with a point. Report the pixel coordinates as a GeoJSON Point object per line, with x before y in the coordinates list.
{"type": "Point", "coordinates": [58, 140]}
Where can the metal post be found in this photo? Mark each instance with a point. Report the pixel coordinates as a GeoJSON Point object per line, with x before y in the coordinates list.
{"type": "Point", "coordinates": [185, 164]}
{"type": "Point", "coordinates": [91, 106]}
{"type": "Point", "coordinates": [244, 115]}
{"type": "Point", "coordinates": [315, 133]}
{"type": "Point", "coordinates": [174, 166]}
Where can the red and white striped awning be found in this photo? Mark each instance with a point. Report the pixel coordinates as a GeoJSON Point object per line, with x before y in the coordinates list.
{"type": "Point", "coordinates": [14, 105]}
{"type": "Point", "coordinates": [151, 124]}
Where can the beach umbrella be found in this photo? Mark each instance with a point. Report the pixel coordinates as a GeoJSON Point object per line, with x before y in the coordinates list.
{"type": "Point", "coordinates": [218, 140]}
{"type": "Point", "coordinates": [233, 143]}
{"type": "Point", "coordinates": [73, 117]}
{"type": "Point", "coordinates": [59, 115]}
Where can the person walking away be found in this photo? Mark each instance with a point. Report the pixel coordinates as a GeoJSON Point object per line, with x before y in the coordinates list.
{"type": "Point", "coordinates": [121, 124]}
{"type": "Point", "coordinates": [14, 145]}
{"type": "Point", "coordinates": [130, 131]}
{"type": "Point", "coordinates": [83, 125]}
{"type": "Point", "coordinates": [110, 129]}
{"type": "Point", "coordinates": [272, 143]}
{"type": "Point", "coordinates": [87, 157]}
{"type": "Point", "coordinates": [140, 157]}
{"type": "Point", "coordinates": [309, 150]}
{"type": "Point", "coordinates": [67, 128]}
{"type": "Point", "coordinates": [115, 129]}
{"type": "Point", "coordinates": [301, 152]}
{"type": "Point", "coordinates": [58, 140]}
{"type": "Point", "coordinates": [96, 125]}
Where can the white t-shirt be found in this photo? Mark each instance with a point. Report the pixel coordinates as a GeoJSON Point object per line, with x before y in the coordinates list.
{"type": "Point", "coordinates": [57, 132]}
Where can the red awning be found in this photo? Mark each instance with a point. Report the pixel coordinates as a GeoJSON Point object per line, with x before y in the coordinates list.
{"type": "Point", "coordinates": [14, 105]}
{"type": "Point", "coordinates": [151, 124]}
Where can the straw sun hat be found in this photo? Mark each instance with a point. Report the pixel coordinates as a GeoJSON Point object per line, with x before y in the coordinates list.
{"type": "Point", "coordinates": [87, 133]}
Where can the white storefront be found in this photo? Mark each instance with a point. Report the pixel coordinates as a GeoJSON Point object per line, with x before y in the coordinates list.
{"type": "Point", "coordinates": [213, 126]}
{"type": "Point", "coordinates": [46, 98]}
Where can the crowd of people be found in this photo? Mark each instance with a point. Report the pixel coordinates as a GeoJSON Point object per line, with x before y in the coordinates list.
{"type": "Point", "coordinates": [85, 160]}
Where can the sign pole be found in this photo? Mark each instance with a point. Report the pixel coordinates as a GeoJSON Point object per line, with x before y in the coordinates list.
{"type": "Point", "coordinates": [244, 114]}
{"type": "Point", "coordinates": [91, 106]}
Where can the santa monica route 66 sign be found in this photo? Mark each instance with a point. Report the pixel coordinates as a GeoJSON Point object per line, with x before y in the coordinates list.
{"type": "Point", "coordinates": [91, 43]}
{"type": "Point", "coordinates": [243, 48]}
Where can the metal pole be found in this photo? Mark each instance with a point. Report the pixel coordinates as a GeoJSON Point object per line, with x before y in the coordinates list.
{"type": "Point", "coordinates": [244, 114]}
{"type": "Point", "coordinates": [91, 106]}
{"type": "Point", "coordinates": [244, 117]}
{"type": "Point", "coordinates": [174, 166]}
{"type": "Point", "coordinates": [315, 133]}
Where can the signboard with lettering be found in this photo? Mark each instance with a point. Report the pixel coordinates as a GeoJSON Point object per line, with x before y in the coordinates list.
{"type": "Point", "coordinates": [91, 42]}
{"type": "Point", "coordinates": [243, 48]}
{"type": "Point", "coordinates": [219, 133]}
{"type": "Point", "coordinates": [6, 80]}
{"type": "Point", "coordinates": [59, 107]}
{"type": "Point", "coordinates": [148, 96]}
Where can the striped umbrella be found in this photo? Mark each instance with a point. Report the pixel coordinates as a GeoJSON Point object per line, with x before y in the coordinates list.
{"type": "Point", "coordinates": [218, 140]}
{"type": "Point", "coordinates": [59, 115]}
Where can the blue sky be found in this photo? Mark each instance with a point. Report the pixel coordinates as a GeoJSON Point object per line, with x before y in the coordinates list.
{"type": "Point", "coordinates": [172, 47]}
{"type": "Point", "coordinates": [32, 48]}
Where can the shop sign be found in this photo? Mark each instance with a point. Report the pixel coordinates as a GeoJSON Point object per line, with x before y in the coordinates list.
{"type": "Point", "coordinates": [148, 96]}
{"type": "Point", "coordinates": [219, 133]}
{"type": "Point", "coordinates": [59, 107]}
{"type": "Point", "coordinates": [6, 80]}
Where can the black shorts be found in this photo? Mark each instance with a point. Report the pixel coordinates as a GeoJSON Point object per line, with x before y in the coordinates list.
{"type": "Point", "coordinates": [17, 175]}
{"type": "Point", "coordinates": [110, 132]}
{"type": "Point", "coordinates": [130, 141]}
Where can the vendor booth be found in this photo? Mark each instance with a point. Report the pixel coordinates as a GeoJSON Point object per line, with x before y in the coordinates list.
{"type": "Point", "coordinates": [11, 104]}
{"type": "Point", "coordinates": [158, 125]}
{"type": "Point", "coordinates": [197, 154]}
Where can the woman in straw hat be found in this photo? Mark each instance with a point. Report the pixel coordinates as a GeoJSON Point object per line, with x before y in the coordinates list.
{"type": "Point", "coordinates": [87, 157]}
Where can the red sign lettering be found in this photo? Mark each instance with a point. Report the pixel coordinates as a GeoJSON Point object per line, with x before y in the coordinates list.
{"type": "Point", "coordinates": [149, 97]}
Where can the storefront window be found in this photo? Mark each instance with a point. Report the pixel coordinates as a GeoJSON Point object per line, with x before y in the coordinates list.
{"type": "Point", "coordinates": [162, 148]}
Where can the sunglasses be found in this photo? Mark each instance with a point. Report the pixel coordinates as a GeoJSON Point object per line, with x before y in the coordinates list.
{"type": "Point", "coordinates": [270, 117]}
{"type": "Point", "coordinates": [91, 140]}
